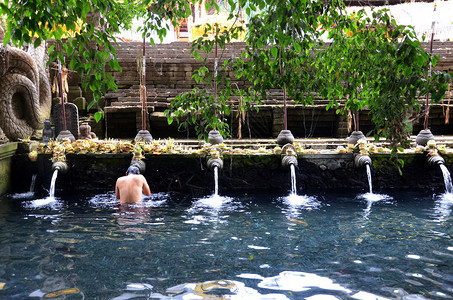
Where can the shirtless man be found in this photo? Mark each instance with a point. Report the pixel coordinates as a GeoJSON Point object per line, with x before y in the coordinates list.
{"type": "Point", "coordinates": [129, 188]}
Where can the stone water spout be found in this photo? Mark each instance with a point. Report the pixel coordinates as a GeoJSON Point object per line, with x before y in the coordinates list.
{"type": "Point", "coordinates": [140, 164]}
{"type": "Point", "coordinates": [436, 160]}
{"type": "Point", "coordinates": [289, 156]}
{"type": "Point", "coordinates": [362, 160]}
{"type": "Point", "coordinates": [61, 166]}
{"type": "Point", "coordinates": [215, 162]}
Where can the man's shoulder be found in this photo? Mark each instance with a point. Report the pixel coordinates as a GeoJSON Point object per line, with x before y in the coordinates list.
{"type": "Point", "coordinates": [137, 177]}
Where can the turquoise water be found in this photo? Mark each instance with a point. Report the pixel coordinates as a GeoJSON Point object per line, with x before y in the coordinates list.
{"type": "Point", "coordinates": [256, 246]}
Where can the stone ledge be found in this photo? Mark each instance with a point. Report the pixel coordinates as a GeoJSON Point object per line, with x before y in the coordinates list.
{"type": "Point", "coordinates": [8, 150]}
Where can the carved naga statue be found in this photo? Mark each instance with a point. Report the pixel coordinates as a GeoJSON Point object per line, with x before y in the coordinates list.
{"type": "Point", "coordinates": [25, 94]}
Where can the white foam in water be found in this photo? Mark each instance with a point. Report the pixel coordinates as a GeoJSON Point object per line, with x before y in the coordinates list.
{"type": "Point", "coordinates": [444, 206]}
{"type": "Point", "coordinates": [447, 198]}
{"type": "Point", "coordinates": [48, 202]}
{"type": "Point", "coordinates": [207, 210]}
{"type": "Point", "coordinates": [20, 196]}
{"type": "Point", "coordinates": [298, 201]}
{"type": "Point", "coordinates": [371, 197]}
{"type": "Point", "coordinates": [104, 200]}
{"type": "Point", "coordinates": [109, 200]}
{"type": "Point", "coordinates": [214, 202]}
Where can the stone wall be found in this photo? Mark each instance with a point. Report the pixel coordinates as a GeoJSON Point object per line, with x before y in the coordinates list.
{"type": "Point", "coordinates": [169, 73]}
{"type": "Point", "coordinates": [189, 173]}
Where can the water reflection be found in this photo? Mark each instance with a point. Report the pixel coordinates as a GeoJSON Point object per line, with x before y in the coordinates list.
{"type": "Point", "coordinates": [215, 289]}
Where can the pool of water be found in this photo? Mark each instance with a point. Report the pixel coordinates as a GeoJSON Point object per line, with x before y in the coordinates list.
{"type": "Point", "coordinates": [335, 245]}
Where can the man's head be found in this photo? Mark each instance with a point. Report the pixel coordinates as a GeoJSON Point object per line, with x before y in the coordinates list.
{"type": "Point", "coordinates": [132, 170]}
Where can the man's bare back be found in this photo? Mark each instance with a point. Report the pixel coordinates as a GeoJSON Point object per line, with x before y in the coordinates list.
{"type": "Point", "coordinates": [129, 188]}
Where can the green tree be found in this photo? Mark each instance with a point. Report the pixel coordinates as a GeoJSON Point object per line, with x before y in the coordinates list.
{"type": "Point", "coordinates": [373, 62]}
{"type": "Point", "coordinates": [84, 31]}
{"type": "Point", "coordinates": [207, 108]}
{"type": "Point", "coordinates": [280, 41]}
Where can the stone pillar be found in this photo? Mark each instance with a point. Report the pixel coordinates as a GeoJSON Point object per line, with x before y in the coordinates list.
{"type": "Point", "coordinates": [342, 130]}
{"type": "Point", "coordinates": [6, 153]}
{"type": "Point", "coordinates": [277, 120]}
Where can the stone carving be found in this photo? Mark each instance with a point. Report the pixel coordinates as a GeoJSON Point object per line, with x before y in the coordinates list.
{"type": "Point", "coordinates": [72, 119]}
{"type": "Point", "coordinates": [47, 133]}
{"type": "Point", "coordinates": [85, 132]}
{"type": "Point", "coordinates": [25, 95]}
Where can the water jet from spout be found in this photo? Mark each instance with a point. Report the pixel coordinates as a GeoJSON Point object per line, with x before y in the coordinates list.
{"type": "Point", "coordinates": [440, 161]}
{"type": "Point", "coordinates": [216, 181]}
{"type": "Point", "coordinates": [447, 179]}
{"type": "Point", "coordinates": [52, 184]}
{"type": "Point", "coordinates": [293, 180]}
{"type": "Point", "coordinates": [32, 184]}
{"type": "Point", "coordinates": [364, 160]}
{"type": "Point", "coordinates": [370, 182]}
{"type": "Point", "coordinates": [215, 164]}
{"type": "Point", "coordinates": [289, 159]}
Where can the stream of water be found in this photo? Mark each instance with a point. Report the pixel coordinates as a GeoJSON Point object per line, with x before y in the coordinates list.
{"type": "Point", "coordinates": [52, 184]}
{"type": "Point", "coordinates": [370, 181]}
{"type": "Point", "coordinates": [447, 179]}
{"type": "Point", "coordinates": [293, 179]}
{"type": "Point", "coordinates": [33, 182]}
{"type": "Point", "coordinates": [216, 180]}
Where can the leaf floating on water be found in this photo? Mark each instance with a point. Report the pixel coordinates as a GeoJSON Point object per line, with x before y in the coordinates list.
{"type": "Point", "coordinates": [298, 221]}
{"type": "Point", "coordinates": [62, 292]}
{"type": "Point", "coordinates": [67, 241]}
{"type": "Point", "coordinates": [2, 284]}
{"type": "Point", "coordinates": [106, 238]}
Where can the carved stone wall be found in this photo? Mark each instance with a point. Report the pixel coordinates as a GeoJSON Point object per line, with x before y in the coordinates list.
{"type": "Point", "coordinates": [169, 72]}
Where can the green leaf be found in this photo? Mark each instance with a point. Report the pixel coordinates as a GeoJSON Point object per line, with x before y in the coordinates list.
{"type": "Point", "coordinates": [274, 52]}
{"type": "Point", "coordinates": [37, 43]}
{"type": "Point", "coordinates": [98, 116]}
